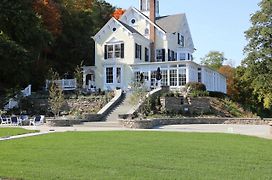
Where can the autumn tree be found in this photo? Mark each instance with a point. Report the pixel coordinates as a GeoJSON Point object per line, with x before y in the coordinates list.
{"type": "Point", "coordinates": [50, 14]}
{"type": "Point", "coordinates": [229, 72]}
{"type": "Point", "coordinates": [214, 59]}
{"type": "Point", "coordinates": [118, 13]}
{"type": "Point", "coordinates": [258, 52]}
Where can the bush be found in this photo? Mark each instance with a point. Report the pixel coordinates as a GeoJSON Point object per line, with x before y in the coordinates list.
{"type": "Point", "coordinates": [199, 93]}
{"type": "Point", "coordinates": [196, 86]}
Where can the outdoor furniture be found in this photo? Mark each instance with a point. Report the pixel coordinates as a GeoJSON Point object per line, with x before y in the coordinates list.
{"type": "Point", "coordinates": [24, 119]}
{"type": "Point", "coordinates": [16, 121]}
{"type": "Point", "coordinates": [38, 120]}
{"type": "Point", "coordinates": [5, 120]}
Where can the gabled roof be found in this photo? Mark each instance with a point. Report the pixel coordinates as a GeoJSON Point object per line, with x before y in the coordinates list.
{"type": "Point", "coordinates": [131, 29]}
{"type": "Point", "coordinates": [171, 23]}
{"type": "Point", "coordinates": [144, 16]}
{"type": "Point", "coordinates": [127, 27]}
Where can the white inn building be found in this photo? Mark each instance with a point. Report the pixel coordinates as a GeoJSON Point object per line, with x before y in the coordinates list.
{"type": "Point", "coordinates": [142, 41]}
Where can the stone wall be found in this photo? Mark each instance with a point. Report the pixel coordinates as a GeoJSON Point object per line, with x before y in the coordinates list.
{"type": "Point", "coordinates": [197, 105]}
{"type": "Point", "coordinates": [151, 123]}
{"type": "Point", "coordinates": [66, 121]}
{"type": "Point", "coordinates": [60, 122]}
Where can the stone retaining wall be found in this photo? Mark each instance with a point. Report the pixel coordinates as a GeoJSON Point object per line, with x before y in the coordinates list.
{"type": "Point", "coordinates": [151, 123]}
{"type": "Point", "coordinates": [62, 122]}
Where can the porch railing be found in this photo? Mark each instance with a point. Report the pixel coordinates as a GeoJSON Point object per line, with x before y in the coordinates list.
{"type": "Point", "coordinates": [12, 103]}
{"type": "Point", "coordinates": [65, 84]}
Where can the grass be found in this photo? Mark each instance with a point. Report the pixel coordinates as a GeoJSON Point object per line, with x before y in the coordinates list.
{"type": "Point", "coordinates": [136, 155]}
{"type": "Point", "coordinates": [8, 131]}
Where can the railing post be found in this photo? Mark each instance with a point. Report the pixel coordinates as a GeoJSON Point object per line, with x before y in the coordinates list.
{"type": "Point", "coordinates": [62, 84]}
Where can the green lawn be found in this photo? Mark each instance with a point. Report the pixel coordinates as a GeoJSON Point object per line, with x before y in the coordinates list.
{"type": "Point", "coordinates": [136, 155]}
{"type": "Point", "coordinates": [11, 131]}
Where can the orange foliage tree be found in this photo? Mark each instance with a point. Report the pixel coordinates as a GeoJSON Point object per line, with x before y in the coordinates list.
{"type": "Point", "coordinates": [118, 13]}
{"type": "Point", "coordinates": [229, 72]}
{"type": "Point", "coordinates": [50, 14]}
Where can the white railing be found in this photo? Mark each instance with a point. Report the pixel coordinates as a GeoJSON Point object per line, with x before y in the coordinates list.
{"type": "Point", "coordinates": [14, 103]}
{"type": "Point", "coordinates": [65, 84]}
{"type": "Point", "coordinates": [27, 91]}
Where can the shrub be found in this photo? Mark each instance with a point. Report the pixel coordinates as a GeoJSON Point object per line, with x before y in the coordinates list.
{"type": "Point", "coordinates": [199, 93]}
{"type": "Point", "coordinates": [196, 86]}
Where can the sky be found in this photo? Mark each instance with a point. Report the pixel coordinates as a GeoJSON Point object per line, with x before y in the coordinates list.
{"type": "Point", "coordinates": [215, 25]}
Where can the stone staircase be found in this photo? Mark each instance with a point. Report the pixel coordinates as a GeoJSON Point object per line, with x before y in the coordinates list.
{"type": "Point", "coordinates": [112, 120]}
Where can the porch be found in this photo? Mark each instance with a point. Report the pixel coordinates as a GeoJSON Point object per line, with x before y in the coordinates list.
{"type": "Point", "coordinates": [65, 84]}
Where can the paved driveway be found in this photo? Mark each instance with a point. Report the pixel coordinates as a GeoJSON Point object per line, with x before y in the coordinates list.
{"type": "Point", "coordinates": [251, 130]}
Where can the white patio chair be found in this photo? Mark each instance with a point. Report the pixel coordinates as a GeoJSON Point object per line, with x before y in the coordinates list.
{"type": "Point", "coordinates": [16, 121]}
{"type": "Point", "coordinates": [38, 120]}
{"type": "Point", "coordinates": [5, 120]}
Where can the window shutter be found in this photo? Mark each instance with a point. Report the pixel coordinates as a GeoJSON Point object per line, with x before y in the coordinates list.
{"type": "Point", "coordinates": [136, 48]}
{"type": "Point", "coordinates": [146, 55]}
{"type": "Point", "coordinates": [122, 51]}
{"type": "Point", "coordinates": [178, 38]}
{"type": "Point", "coordinates": [163, 55]}
{"type": "Point", "coordinates": [105, 52]}
{"type": "Point", "coordinates": [140, 52]}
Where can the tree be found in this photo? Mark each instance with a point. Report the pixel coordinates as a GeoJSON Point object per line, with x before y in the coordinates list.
{"type": "Point", "coordinates": [228, 72]}
{"type": "Point", "coordinates": [258, 52]}
{"type": "Point", "coordinates": [56, 97]}
{"type": "Point", "coordinates": [214, 59]}
{"type": "Point", "coordinates": [50, 14]}
{"type": "Point", "coordinates": [118, 13]}
{"type": "Point", "coordinates": [78, 74]}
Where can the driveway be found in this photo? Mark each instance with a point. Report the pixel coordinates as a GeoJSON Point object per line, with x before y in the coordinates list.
{"type": "Point", "coordinates": [263, 131]}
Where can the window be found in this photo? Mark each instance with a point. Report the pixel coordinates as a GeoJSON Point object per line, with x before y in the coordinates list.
{"type": "Point", "coordinates": [110, 51]}
{"type": "Point", "coordinates": [182, 77]}
{"type": "Point", "coordinates": [173, 77]}
{"type": "Point", "coordinates": [133, 21]}
{"type": "Point", "coordinates": [117, 48]}
{"type": "Point", "coordinates": [146, 55]}
{"type": "Point", "coordinates": [114, 51]}
{"type": "Point", "coordinates": [137, 76]}
{"type": "Point", "coordinates": [164, 80]}
{"type": "Point", "coordinates": [181, 40]}
{"type": "Point", "coordinates": [146, 32]}
{"type": "Point", "coordinates": [199, 75]}
{"type": "Point", "coordinates": [138, 51]}
{"type": "Point", "coordinates": [182, 56]}
{"type": "Point", "coordinates": [109, 75]}
{"type": "Point", "coordinates": [189, 56]}
{"type": "Point", "coordinates": [160, 55]}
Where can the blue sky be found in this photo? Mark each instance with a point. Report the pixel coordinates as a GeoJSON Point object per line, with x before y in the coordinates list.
{"type": "Point", "coordinates": [215, 24]}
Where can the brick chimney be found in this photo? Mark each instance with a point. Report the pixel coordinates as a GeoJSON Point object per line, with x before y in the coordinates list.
{"type": "Point", "coordinates": [152, 17]}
